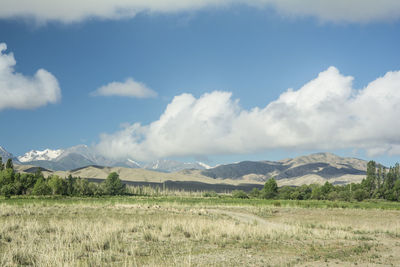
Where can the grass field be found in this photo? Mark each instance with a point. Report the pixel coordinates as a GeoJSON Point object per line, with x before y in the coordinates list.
{"type": "Point", "coordinates": [193, 231]}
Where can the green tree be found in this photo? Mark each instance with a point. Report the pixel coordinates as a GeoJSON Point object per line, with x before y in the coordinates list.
{"type": "Point", "coordinates": [9, 164]}
{"type": "Point", "coordinates": [41, 187]}
{"type": "Point", "coordinates": [379, 177]}
{"type": "Point", "coordinates": [7, 190]}
{"type": "Point", "coordinates": [6, 177]}
{"type": "Point", "coordinates": [83, 188]}
{"type": "Point", "coordinates": [57, 185]}
{"type": "Point", "coordinates": [1, 164]}
{"type": "Point", "coordinates": [317, 193]}
{"type": "Point", "coordinates": [270, 189]}
{"type": "Point", "coordinates": [370, 182]}
{"type": "Point", "coordinates": [296, 195]}
{"type": "Point", "coordinates": [285, 192]}
{"type": "Point", "coordinates": [305, 191]}
{"type": "Point", "coordinates": [326, 189]}
{"type": "Point", "coordinates": [360, 194]}
{"type": "Point", "coordinates": [345, 195]}
{"type": "Point", "coordinates": [18, 186]}
{"type": "Point", "coordinates": [113, 185]}
{"type": "Point", "coordinates": [396, 190]}
{"type": "Point", "coordinates": [387, 190]}
{"type": "Point", "coordinates": [70, 185]}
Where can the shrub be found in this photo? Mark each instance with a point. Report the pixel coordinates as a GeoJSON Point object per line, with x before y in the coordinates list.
{"type": "Point", "coordinates": [360, 194]}
{"type": "Point", "coordinates": [255, 193]}
{"type": "Point", "coordinates": [239, 194]}
{"type": "Point", "coordinates": [210, 194]}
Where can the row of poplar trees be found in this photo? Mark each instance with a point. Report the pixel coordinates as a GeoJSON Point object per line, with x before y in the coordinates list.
{"type": "Point", "coordinates": [381, 182]}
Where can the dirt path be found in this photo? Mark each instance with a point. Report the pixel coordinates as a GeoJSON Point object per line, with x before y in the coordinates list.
{"type": "Point", "coordinates": [241, 216]}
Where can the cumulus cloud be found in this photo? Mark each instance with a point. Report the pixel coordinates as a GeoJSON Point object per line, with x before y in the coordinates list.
{"type": "Point", "coordinates": [21, 92]}
{"type": "Point", "coordinates": [325, 113]}
{"type": "Point", "coordinates": [75, 11]}
{"type": "Point", "coordinates": [129, 88]}
{"type": "Point", "coordinates": [356, 11]}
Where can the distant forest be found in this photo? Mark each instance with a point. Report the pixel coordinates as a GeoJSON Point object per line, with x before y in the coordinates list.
{"type": "Point", "coordinates": [379, 183]}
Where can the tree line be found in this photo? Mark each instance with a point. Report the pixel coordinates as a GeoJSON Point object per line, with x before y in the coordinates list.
{"type": "Point", "coordinates": [379, 183]}
{"type": "Point", "coordinates": [15, 183]}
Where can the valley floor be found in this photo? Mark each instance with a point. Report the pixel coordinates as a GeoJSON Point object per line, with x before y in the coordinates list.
{"type": "Point", "coordinates": [136, 231]}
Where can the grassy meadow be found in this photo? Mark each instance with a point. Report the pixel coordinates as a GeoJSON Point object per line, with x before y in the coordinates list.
{"type": "Point", "coordinates": [191, 230]}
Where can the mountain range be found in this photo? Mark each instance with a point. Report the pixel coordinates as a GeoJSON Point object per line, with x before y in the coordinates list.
{"type": "Point", "coordinates": [5, 155]}
{"type": "Point", "coordinates": [325, 165]}
{"type": "Point", "coordinates": [314, 168]}
{"type": "Point", "coordinates": [81, 156]}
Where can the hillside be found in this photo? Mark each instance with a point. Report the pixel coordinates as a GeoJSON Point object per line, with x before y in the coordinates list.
{"type": "Point", "coordinates": [317, 167]}
{"type": "Point", "coordinates": [133, 175]}
{"type": "Point", "coordinates": [314, 168]}
{"type": "Point", "coordinates": [5, 155]}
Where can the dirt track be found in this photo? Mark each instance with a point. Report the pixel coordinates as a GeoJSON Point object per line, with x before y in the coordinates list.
{"type": "Point", "coordinates": [241, 216]}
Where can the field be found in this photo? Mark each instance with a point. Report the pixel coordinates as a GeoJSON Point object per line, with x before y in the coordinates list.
{"type": "Point", "coordinates": [196, 231]}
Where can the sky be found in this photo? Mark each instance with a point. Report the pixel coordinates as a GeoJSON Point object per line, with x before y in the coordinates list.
{"type": "Point", "coordinates": [214, 81]}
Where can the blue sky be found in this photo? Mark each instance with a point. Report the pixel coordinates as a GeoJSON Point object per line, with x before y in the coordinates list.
{"type": "Point", "coordinates": [254, 53]}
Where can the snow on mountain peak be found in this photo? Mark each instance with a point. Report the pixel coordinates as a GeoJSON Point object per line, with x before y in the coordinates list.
{"type": "Point", "coordinates": [133, 162]}
{"type": "Point", "coordinates": [205, 166]}
{"type": "Point", "coordinates": [46, 154]}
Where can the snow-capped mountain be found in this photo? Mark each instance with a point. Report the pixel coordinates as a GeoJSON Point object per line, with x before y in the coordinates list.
{"type": "Point", "coordinates": [133, 163]}
{"type": "Point", "coordinates": [165, 165]}
{"type": "Point", "coordinates": [71, 158]}
{"type": "Point", "coordinates": [205, 166]}
{"type": "Point", "coordinates": [46, 154]}
{"type": "Point", "coordinates": [82, 155]}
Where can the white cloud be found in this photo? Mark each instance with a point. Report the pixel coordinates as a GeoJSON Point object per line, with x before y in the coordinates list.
{"type": "Point", "coordinates": [326, 113]}
{"type": "Point", "coordinates": [75, 11]}
{"type": "Point", "coordinates": [129, 88]}
{"type": "Point", "coordinates": [340, 10]}
{"type": "Point", "coordinates": [21, 92]}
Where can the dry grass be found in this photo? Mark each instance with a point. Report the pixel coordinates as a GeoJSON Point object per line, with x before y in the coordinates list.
{"type": "Point", "coordinates": [172, 234]}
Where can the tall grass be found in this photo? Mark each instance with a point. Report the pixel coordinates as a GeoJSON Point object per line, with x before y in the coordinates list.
{"type": "Point", "coordinates": [216, 232]}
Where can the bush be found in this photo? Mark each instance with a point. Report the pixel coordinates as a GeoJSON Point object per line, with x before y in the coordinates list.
{"type": "Point", "coordinates": [333, 195]}
{"type": "Point", "coordinates": [255, 193]}
{"type": "Point", "coordinates": [360, 194]}
{"type": "Point", "coordinates": [210, 194]}
{"type": "Point", "coordinates": [239, 194]}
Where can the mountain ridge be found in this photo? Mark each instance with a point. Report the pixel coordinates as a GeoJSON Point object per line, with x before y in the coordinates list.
{"type": "Point", "coordinates": [5, 155]}
{"type": "Point", "coordinates": [325, 165]}
{"type": "Point", "coordinates": [318, 167]}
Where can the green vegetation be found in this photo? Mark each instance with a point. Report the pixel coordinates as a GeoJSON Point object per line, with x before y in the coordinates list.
{"type": "Point", "coordinates": [195, 231]}
{"type": "Point", "coordinates": [14, 183]}
{"type": "Point", "coordinates": [378, 184]}
{"type": "Point", "coordinates": [72, 222]}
